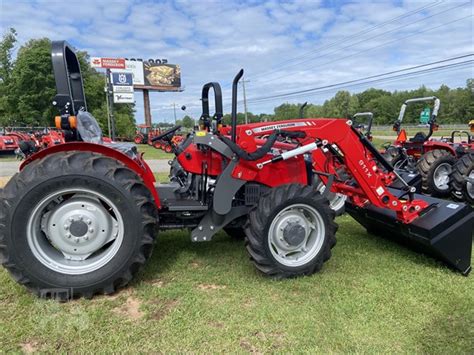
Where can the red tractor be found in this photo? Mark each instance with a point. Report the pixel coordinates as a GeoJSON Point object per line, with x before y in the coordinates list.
{"type": "Point", "coordinates": [431, 158]}
{"type": "Point", "coordinates": [80, 218]}
{"type": "Point", "coordinates": [8, 144]}
{"type": "Point", "coordinates": [49, 137]}
{"type": "Point", "coordinates": [145, 134]}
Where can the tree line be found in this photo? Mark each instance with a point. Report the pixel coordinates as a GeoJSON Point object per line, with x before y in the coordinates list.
{"type": "Point", "coordinates": [27, 89]}
{"type": "Point", "coordinates": [457, 106]}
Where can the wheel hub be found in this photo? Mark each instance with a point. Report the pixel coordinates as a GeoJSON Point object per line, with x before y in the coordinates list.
{"type": "Point", "coordinates": [441, 176]}
{"type": "Point", "coordinates": [79, 226]}
{"type": "Point", "coordinates": [294, 233]}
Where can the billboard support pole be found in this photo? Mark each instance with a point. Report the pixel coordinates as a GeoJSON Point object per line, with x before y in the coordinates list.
{"type": "Point", "coordinates": [110, 106]}
{"type": "Point", "coordinates": [146, 106]}
{"type": "Point", "coordinates": [106, 89]}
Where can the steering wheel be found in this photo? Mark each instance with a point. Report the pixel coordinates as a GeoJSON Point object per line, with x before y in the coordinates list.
{"type": "Point", "coordinates": [166, 134]}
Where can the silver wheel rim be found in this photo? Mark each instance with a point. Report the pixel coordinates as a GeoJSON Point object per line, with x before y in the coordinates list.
{"type": "Point", "coordinates": [75, 231]}
{"type": "Point", "coordinates": [470, 186]}
{"type": "Point", "coordinates": [296, 235]}
{"type": "Point", "coordinates": [441, 176]}
{"type": "Point", "coordinates": [336, 200]}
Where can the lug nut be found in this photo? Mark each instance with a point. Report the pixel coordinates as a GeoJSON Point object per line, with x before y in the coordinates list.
{"type": "Point", "coordinates": [77, 240]}
{"type": "Point", "coordinates": [66, 227]}
{"type": "Point", "coordinates": [89, 222]}
{"type": "Point", "coordinates": [91, 230]}
{"type": "Point", "coordinates": [68, 235]}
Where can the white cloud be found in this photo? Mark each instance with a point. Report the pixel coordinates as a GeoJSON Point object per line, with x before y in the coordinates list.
{"type": "Point", "coordinates": [211, 40]}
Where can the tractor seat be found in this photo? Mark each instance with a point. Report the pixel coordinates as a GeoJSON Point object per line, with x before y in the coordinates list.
{"type": "Point", "coordinates": [90, 131]}
{"type": "Point", "coordinates": [420, 137]}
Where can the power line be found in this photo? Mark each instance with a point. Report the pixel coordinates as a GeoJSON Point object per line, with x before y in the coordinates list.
{"type": "Point", "coordinates": [372, 48]}
{"type": "Point", "coordinates": [332, 87]}
{"type": "Point", "coordinates": [363, 80]}
{"type": "Point", "coordinates": [358, 34]}
{"type": "Point", "coordinates": [377, 75]}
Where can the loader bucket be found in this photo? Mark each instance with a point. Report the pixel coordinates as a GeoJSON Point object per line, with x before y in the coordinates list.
{"type": "Point", "coordinates": [443, 232]}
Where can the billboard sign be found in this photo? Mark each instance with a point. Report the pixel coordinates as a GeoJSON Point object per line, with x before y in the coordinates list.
{"type": "Point", "coordinates": [134, 67]}
{"type": "Point", "coordinates": [124, 98]}
{"type": "Point", "coordinates": [162, 77]}
{"type": "Point", "coordinates": [121, 79]}
{"type": "Point", "coordinates": [107, 63]}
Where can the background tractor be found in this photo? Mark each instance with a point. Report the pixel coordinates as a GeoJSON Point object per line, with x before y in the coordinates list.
{"type": "Point", "coordinates": [80, 218]}
{"type": "Point", "coordinates": [431, 158]}
{"type": "Point", "coordinates": [145, 134]}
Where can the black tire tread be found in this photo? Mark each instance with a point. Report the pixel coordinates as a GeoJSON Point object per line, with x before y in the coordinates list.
{"type": "Point", "coordinates": [426, 166]}
{"type": "Point", "coordinates": [259, 217]}
{"type": "Point", "coordinates": [62, 163]}
{"type": "Point", "coordinates": [457, 178]}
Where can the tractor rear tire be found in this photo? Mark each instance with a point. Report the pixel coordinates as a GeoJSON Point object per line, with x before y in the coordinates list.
{"type": "Point", "coordinates": [290, 232]}
{"type": "Point", "coordinates": [435, 167]}
{"type": "Point", "coordinates": [461, 189]}
{"type": "Point", "coordinates": [75, 224]}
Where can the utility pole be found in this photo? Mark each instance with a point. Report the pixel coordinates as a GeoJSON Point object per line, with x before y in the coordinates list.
{"type": "Point", "coordinates": [110, 106]}
{"type": "Point", "coordinates": [174, 110]}
{"type": "Point", "coordinates": [245, 100]}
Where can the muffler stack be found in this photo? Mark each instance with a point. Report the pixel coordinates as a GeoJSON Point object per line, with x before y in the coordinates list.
{"type": "Point", "coordinates": [444, 230]}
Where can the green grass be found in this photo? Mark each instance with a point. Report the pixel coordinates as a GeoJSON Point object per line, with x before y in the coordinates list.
{"type": "Point", "coordinates": [153, 153]}
{"type": "Point", "coordinates": [150, 153]}
{"type": "Point", "coordinates": [372, 296]}
{"type": "Point", "coordinates": [7, 157]}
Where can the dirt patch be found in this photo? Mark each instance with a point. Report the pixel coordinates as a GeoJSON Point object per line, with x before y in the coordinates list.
{"type": "Point", "coordinates": [217, 325]}
{"type": "Point", "coordinates": [195, 264]}
{"type": "Point", "coordinates": [131, 309]}
{"type": "Point", "coordinates": [164, 308]}
{"type": "Point", "coordinates": [157, 283]}
{"type": "Point", "coordinates": [4, 180]}
{"type": "Point", "coordinates": [211, 287]}
{"type": "Point", "coordinates": [247, 346]}
{"type": "Point", "coordinates": [29, 347]}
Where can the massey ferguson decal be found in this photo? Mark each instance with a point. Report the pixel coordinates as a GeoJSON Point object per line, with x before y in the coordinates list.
{"type": "Point", "coordinates": [280, 126]}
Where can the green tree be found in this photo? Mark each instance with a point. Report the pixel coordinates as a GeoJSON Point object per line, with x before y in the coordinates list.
{"type": "Point", "coordinates": [6, 65]}
{"type": "Point", "coordinates": [187, 122]}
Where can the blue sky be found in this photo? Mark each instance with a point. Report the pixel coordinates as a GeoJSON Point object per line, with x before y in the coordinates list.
{"type": "Point", "coordinates": [282, 45]}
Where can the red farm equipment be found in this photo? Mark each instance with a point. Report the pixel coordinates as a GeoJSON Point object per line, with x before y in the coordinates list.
{"type": "Point", "coordinates": [80, 218]}
{"type": "Point", "coordinates": [8, 143]}
{"type": "Point", "coordinates": [145, 134]}
{"type": "Point", "coordinates": [431, 158]}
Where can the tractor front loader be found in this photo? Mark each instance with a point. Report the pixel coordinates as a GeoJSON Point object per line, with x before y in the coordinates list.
{"type": "Point", "coordinates": [80, 218]}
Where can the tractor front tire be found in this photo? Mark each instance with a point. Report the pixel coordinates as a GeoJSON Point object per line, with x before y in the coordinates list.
{"type": "Point", "coordinates": [75, 224]}
{"type": "Point", "coordinates": [435, 168]}
{"type": "Point", "coordinates": [463, 169]}
{"type": "Point", "coordinates": [290, 232]}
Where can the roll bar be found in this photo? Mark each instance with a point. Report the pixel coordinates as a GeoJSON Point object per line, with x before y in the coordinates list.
{"type": "Point", "coordinates": [434, 114]}
{"type": "Point", "coordinates": [370, 116]}
{"type": "Point", "coordinates": [302, 109]}
{"type": "Point", "coordinates": [235, 83]}
{"type": "Point", "coordinates": [70, 97]}
{"type": "Point", "coordinates": [217, 101]}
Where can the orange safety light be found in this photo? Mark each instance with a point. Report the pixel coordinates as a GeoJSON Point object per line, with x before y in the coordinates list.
{"type": "Point", "coordinates": [57, 122]}
{"type": "Point", "coordinates": [72, 121]}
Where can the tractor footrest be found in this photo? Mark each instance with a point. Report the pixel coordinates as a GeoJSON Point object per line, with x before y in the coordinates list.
{"type": "Point", "coordinates": [185, 205]}
{"type": "Point", "coordinates": [444, 231]}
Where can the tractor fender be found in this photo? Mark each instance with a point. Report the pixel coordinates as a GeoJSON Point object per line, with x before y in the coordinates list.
{"type": "Point", "coordinates": [140, 167]}
{"type": "Point", "coordinates": [431, 145]}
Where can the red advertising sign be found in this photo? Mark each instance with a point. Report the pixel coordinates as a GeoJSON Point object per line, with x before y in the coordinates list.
{"type": "Point", "coordinates": [108, 63]}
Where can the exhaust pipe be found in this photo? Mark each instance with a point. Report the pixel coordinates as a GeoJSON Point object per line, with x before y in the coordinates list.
{"type": "Point", "coordinates": [444, 231]}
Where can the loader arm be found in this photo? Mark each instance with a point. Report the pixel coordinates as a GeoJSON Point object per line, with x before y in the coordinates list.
{"type": "Point", "coordinates": [339, 141]}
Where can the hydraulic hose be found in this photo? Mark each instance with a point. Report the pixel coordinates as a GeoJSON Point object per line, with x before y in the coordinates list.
{"type": "Point", "coordinates": [264, 149]}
